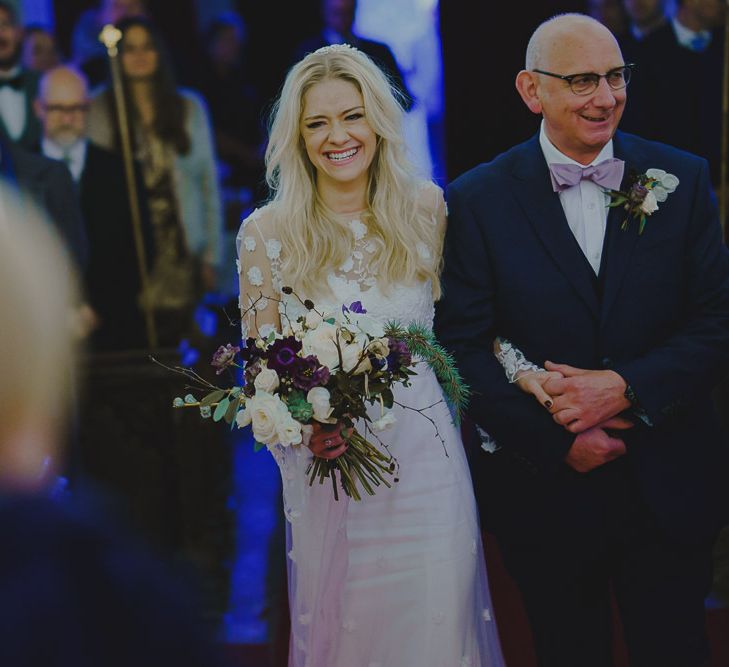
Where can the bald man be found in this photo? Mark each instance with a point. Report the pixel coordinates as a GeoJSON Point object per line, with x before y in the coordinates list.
{"type": "Point", "coordinates": [617, 479]}
{"type": "Point", "coordinates": [111, 278]}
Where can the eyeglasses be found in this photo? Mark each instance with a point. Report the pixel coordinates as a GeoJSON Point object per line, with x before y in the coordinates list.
{"type": "Point", "coordinates": [66, 108]}
{"type": "Point", "coordinates": [587, 83]}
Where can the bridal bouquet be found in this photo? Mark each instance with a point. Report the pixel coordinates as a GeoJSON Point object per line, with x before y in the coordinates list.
{"type": "Point", "coordinates": [326, 368]}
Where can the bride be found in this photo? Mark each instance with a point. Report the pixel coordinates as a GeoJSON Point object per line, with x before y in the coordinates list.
{"type": "Point", "coordinates": [397, 579]}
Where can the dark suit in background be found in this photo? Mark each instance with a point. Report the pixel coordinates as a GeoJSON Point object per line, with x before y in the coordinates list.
{"type": "Point", "coordinates": [27, 84]}
{"type": "Point", "coordinates": [47, 184]}
{"type": "Point", "coordinates": [689, 119]}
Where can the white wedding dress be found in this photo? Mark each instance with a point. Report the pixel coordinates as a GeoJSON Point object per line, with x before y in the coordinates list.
{"type": "Point", "coordinates": [397, 579]}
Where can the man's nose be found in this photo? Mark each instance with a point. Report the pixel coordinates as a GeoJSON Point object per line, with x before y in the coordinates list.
{"type": "Point", "coordinates": [604, 96]}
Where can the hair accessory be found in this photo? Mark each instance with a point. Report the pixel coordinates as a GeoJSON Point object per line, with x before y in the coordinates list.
{"type": "Point", "coordinates": [334, 48]}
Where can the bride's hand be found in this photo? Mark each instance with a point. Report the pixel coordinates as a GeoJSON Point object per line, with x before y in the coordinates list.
{"type": "Point", "coordinates": [532, 382]}
{"type": "Point", "coordinates": [327, 441]}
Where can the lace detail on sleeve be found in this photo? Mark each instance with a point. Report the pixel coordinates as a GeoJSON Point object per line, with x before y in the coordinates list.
{"type": "Point", "coordinates": [512, 359]}
{"type": "Point", "coordinates": [258, 264]}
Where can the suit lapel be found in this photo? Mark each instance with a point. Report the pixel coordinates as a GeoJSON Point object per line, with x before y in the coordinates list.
{"type": "Point", "coordinates": [541, 205]}
{"type": "Point", "coordinates": [619, 244]}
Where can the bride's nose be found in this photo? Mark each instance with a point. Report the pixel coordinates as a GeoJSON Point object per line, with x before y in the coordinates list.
{"type": "Point", "coordinates": [338, 134]}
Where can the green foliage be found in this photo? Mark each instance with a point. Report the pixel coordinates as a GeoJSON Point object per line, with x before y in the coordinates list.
{"type": "Point", "coordinates": [213, 397]}
{"type": "Point", "coordinates": [221, 409]}
{"type": "Point", "coordinates": [422, 343]}
{"type": "Point", "coordinates": [301, 410]}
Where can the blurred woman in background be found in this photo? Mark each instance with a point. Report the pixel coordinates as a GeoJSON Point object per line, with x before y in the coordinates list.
{"type": "Point", "coordinates": [172, 141]}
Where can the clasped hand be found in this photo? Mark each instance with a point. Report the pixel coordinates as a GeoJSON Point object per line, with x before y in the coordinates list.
{"type": "Point", "coordinates": [585, 402]}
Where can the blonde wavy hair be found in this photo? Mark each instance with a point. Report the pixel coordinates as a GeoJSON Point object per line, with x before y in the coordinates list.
{"type": "Point", "coordinates": [313, 238]}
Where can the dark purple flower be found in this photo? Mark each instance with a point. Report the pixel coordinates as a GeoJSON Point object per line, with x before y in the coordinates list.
{"type": "Point", "coordinates": [356, 307]}
{"type": "Point", "coordinates": [309, 373]}
{"type": "Point", "coordinates": [281, 355]}
{"type": "Point", "coordinates": [249, 375]}
{"type": "Point", "coordinates": [399, 354]}
{"type": "Point", "coordinates": [637, 193]}
{"type": "Point", "coordinates": [250, 352]}
{"type": "Point", "coordinates": [224, 357]}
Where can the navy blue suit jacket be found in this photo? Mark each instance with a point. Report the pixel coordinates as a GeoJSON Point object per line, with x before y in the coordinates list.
{"type": "Point", "coordinates": [658, 315]}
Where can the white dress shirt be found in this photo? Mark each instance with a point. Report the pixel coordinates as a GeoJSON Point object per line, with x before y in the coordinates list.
{"type": "Point", "coordinates": [585, 205]}
{"type": "Point", "coordinates": [12, 107]}
{"type": "Point", "coordinates": [74, 156]}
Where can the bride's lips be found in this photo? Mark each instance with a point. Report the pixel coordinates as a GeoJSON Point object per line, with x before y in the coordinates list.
{"type": "Point", "coordinates": [344, 156]}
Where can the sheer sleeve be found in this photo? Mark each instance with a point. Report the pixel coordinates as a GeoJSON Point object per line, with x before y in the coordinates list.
{"type": "Point", "coordinates": [258, 262]}
{"type": "Point", "coordinates": [512, 359]}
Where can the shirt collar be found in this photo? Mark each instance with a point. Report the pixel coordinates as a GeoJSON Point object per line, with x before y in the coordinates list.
{"type": "Point", "coordinates": [76, 152]}
{"type": "Point", "coordinates": [686, 36]}
{"type": "Point", "coordinates": [554, 155]}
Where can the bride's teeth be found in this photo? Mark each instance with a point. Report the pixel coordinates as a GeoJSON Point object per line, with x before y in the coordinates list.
{"type": "Point", "coordinates": [342, 156]}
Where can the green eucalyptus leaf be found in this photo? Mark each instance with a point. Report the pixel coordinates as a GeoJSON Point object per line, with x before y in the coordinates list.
{"type": "Point", "coordinates": [232, 410]}
{"type": "Point", "coordinates": [213, 397]}
{"type": "Point", "coordinates": [257, 446]}
{"type": "Point", "coordinates": [221, 409]}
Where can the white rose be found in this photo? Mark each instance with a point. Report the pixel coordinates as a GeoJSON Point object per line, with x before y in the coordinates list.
{"type": "Point", "coordinates": [321, 342]}
{"type": "Point", "coordinates": [266, 380]}
{"type": "Point", "coordinates": [384, 422]}
{"type": "Point", "coordinates": [352, 359]}
{"type": "Point", "coordinates": [669, 182]}
{"type": "Point", "coordinates": [380, 347]}
{"type": "Point", "coordinates": [319, 399]}
{"type": "Point", "coordinates": [313, 319]}
{"type": "Point", "coordinates": [649, 204]}
{"type": "Point", "coordinates": [289, 431]}
{"type": "Point", "coordinates": [267, 411]}
{"type": "Point", "coordinates": [243, 418]}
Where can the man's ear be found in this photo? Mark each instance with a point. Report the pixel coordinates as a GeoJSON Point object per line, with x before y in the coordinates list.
{"type": "Point", "coordinates": [526, 84]}
{"type": "Point", "coordinates": [38, 108]}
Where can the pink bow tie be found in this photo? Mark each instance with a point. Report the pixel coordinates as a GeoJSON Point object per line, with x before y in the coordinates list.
{"type": "Point", "coordinates": [608, 174]}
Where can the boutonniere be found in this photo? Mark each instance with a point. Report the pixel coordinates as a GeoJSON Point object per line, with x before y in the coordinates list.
{"type": "Point", "coordinates": [643, 194]}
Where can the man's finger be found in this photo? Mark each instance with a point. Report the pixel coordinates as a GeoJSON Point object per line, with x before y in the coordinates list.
{"type": "Point", "coordinates": [555, 386]}
{"type": "Point", "coordinates": [618, 424]}
{"type": "Point", "coordinates": [567, 371]}
{"type": "Point", "coordinates": [564, 417]}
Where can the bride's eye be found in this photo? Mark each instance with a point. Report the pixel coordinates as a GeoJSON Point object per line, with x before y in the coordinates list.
{"type": "Point", "coordinates": [354, 116]}
{"type": "Point", "coordinates": [315, 124]}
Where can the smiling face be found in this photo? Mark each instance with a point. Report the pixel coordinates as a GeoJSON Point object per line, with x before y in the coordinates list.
{"type": "Point", "coordinates": [339, 141]}
{"type": "Point", "coordinates": [578, 125]}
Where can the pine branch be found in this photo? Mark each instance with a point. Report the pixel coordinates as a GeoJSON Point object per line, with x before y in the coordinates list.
{"type": "Point", "coordinates": [422, 343]}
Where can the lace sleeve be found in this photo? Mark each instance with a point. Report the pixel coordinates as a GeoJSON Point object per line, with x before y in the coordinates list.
{"type": "Point", "coordinates": [512, 359]}
{"type": "Point", "coordinates": [257, 263]}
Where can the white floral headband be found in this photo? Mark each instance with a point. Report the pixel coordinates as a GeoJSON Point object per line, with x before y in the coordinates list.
{"type": "Point", "coordinates": [335, 48]}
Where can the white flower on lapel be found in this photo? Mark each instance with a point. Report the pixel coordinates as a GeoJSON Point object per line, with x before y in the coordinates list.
{"type": "Point", "coordinates": [642, 197]}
